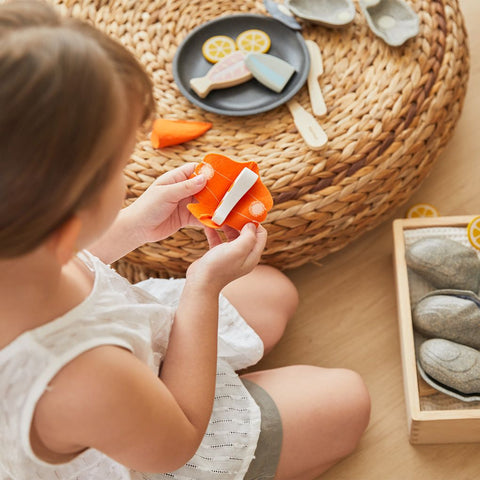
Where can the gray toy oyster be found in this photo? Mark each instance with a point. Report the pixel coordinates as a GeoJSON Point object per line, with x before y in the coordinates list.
{"type": "Point", "coordinates": [329, 13]}
{"type": "Point", "coordinates": [450, 314]}
{"type": "Point", "coordinates": [445, 263]}
{"type": "Point", "coordinates": [451, 368]}
{"type": "Point", "coordinates": [418, 287]}
{"type": "Point", "coordinates": [394, 21]}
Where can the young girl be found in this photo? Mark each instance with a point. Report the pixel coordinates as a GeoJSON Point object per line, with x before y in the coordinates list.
{"type": "Point", "coordinates": [100, 379]}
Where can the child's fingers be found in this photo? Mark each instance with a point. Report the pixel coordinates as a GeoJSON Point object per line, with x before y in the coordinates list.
{"type": "Point", "coordinates": [249, 243]}
{"type": "Point", "coordinates": [213, 238]}
{"type": "Point", "coordinates": [230, 233]}
{"type": "Point", "coordinates": [176, 175]}
{"type": "Point", "coordinates": [255, 239]}
{"type": "Point", "coordinates": [175, 192]}
{"type": "Point", "coordinates": [259, 246]}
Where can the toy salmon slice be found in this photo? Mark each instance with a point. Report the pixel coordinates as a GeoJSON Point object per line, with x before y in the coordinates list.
{"type": "Point", "coordinates": [228, 72]}
{"type": "Point", "coordinates": [173, 132]}
{"type": "Point", "coordinates": [221, 173]}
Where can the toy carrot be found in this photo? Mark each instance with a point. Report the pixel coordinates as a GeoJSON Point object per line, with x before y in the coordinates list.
{"type": "Point", "coordinates": [172, 132]}
{"type": "Point", "coordinates": [222, 173]}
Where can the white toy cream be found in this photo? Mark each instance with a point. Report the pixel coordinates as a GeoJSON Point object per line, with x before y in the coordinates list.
{"type": "Point", "coordinates": [242, 184]}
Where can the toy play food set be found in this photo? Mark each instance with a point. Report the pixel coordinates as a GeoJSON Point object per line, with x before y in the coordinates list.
{"type": "Point", "coordinates": [437, 267]}
{"type": "Point", "coordinates": [234, 194]}
{"type": "Point", "coordinates": [235, 66]}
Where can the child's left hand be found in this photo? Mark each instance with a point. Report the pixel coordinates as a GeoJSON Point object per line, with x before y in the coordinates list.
{"type": "Point", "coordinates": [161, 210]}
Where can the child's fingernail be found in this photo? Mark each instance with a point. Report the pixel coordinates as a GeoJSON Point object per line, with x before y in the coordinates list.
{"type": "Point", "coordinates": [199, 179]}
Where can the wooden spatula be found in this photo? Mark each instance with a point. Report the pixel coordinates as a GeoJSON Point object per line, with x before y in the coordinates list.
{"type": "Point", "coordinates": [311, 131]}
{"type": "Point", "coordinates": [316, 69]}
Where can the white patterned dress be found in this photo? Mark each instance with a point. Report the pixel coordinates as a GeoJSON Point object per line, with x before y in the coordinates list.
{"type": "Point", "coordinates": [138, 318]}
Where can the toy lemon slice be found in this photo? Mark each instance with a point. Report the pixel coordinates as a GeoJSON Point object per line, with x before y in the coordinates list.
{"type": "Point", "coordinates": [234, 194]}
{"type": "Point", "coordinates": [218, 47]}
{"type": "Point", "coordinates": [253, 41]}
{"type": "Point", "coordinates": [473, 232]}
{"type": "Point", "coordinates": [422, 210]}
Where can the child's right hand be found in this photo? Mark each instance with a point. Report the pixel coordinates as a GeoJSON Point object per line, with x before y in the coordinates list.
{"type": "Point", "coordinates": [227, 261]}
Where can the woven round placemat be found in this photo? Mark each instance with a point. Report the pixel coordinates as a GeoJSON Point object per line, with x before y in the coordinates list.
{"type": "Point", "coordinates": [391, 110]}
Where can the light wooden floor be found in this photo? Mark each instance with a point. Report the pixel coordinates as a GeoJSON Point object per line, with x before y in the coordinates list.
{"type": "Point", "coordinates": [348, 317]}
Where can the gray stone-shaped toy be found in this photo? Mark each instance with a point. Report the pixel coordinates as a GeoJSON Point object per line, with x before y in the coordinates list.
{"type": "Point", "coordinates": [450, 314]}
{"type": "Point", "coordinates": [393, 21]}
{"type": "Point", "coordinates": [329, 13]}
{"type": "Point", "coordinates": [451, 365]}
{"type": "Point", "coordinates": [445, 263]}
{"type": "Point", "coordinates": [418, 287]}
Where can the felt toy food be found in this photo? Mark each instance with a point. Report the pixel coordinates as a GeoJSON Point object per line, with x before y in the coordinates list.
{"type": "Point", "coordinates": [218, 47]}
{"type": "Point", "coordinates": [228, 72]}
{"type": "Point", "coordinates": [271, 71]}
{"type": "Point", "coordinates": [234, 194]}
{"type": "Point", "coordinates": [253, 41]}
{"type": "Point", "coordinates": [172, 132]}
{"type": "Point", "coordinates": [422, 210]}
{"type": "Point", "coordinates": [473, 232]}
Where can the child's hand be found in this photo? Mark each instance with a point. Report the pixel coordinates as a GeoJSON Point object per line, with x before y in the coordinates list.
{"type": "Point", "coordinates": [161, 210]}
{"type": "Point", "coordinates": [225, 262]}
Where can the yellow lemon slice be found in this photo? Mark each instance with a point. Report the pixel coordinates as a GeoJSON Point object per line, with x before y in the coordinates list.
{"type": "Point", "coordinates": [473, 232]}
{"type": "Point", "coordinates": [253, 41]}
{"type": "Point", "coordinates": [422, 210]}
{"type": "Point", "coordinates": [218, 47]}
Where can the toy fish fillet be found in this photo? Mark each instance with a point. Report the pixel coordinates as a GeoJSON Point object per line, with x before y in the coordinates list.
{"type": "Point", "coordinates": [228, 72]}
{"type": "Point", "coordinates": [271, 71]}
{"type": "Point", "coordinates": [234, 194]}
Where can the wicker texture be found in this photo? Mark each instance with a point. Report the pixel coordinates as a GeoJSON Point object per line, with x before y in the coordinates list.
{"type": "Point", "coordinates": [390, 113]}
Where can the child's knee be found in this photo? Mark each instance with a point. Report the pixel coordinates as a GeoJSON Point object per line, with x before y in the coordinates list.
{"type": "Point", "coordinates": [357, 406]}
{"type": "Point", "coordinates": [282, 293]}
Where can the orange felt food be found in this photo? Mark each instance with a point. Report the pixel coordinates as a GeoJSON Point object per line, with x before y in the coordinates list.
{"type": "Point", "coordinates": [221, 172]}
{"type": "Point", "coordinates": [172, 132]}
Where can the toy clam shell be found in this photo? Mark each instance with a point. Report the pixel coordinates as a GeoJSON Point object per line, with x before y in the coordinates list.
{"type": "Point", "coordinates": [465, 397]}
{"type": "Point", "coordinates": [392, 20]}
{"type": "Point", "coordinates": [330, 13]}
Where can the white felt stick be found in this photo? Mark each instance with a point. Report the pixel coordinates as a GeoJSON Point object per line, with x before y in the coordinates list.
{"type": "Point", "coordinates": [242, 184]}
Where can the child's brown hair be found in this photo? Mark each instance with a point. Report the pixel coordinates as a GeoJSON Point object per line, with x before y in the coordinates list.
{"type": "Point", "coordinates": [65, 92]}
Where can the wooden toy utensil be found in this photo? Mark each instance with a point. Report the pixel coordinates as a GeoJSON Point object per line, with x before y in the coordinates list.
{"type": "Point", "coordinates": [281, 13]}
{"type": "Point", "coordinates": [228, 72]}
{"type": "Point", "coordinates": [313, 134]}
{"type": "Point", "coordinates": [316, 69]}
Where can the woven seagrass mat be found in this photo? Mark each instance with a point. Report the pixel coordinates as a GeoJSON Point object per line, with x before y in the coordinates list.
{"type": "Point", "coordinates": [391, 110]}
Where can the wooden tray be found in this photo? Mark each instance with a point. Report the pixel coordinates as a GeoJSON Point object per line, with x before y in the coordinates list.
{"type": "Point", "coordinates": [432, 416]}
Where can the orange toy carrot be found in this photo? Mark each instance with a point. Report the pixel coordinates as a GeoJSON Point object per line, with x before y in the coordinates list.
{"type": "Point", "coordinates": [172, 132]}
{"type": "Point", "coordinates": [221, 173]}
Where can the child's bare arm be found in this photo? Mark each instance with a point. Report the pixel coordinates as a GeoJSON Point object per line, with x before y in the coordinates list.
{"type": "Point", "coordinates": [109, 400]}
{"type": "Point", "coordinates": [190, 364]}
{"type": "Point", "coordinates": [159, 212]}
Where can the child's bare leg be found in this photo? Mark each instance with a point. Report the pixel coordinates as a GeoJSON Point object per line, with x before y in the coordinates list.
{"type": "Point", "coordinates": [324, 413]}
{"type": "Point", "coordinates": [266, 299]}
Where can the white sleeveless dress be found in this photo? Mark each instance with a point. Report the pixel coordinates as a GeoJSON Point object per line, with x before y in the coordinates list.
{"type": "Point", "coordinates": [138, 318]}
